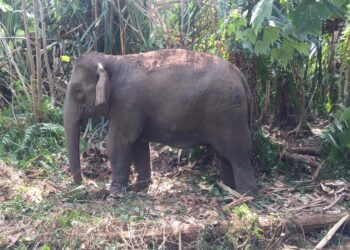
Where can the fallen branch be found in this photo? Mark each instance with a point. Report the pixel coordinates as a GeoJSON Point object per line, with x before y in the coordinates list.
{"type": "Point", "coordinates": [331, 232]}
{"type": "Point", "coordinates": [302, 224]}
{"type": "Point", "coordinates": [229, 190]}
{"type": "Point", "coordinates": [303, 150]}
{"type": "Point", "coordinates": [238, 201]}
{"type": "Point", "coordinates": [190, 232]}
{"type": "Point", "coordinates": [305, 159]}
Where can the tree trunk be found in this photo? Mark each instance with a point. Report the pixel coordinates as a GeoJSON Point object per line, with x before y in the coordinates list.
{"type": "Point", "coordinates": [283, 100]}
{"type": "Point", "coordinates": [302, 111]}
{"type": "Point", "coordinates": [331, 82]}
{"type": "Point", "coordinates": [265, 111]}
{"type": "Point", "coordinates": [342, 67]}
{"type": "Point", "coordinates": [346, 85]}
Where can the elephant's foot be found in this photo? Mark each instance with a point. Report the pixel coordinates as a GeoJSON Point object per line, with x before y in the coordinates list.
{"type": "Point", "coordinates": [116, 189]}
{"type": "Point", "coordinates": [77, 178]}
{"type": "Point", "coordinates": [253, 192]}
{"type": "Point", "coordinates": [142, 185]}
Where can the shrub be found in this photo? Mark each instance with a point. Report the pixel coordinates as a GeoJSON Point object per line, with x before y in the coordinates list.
{"type": "Point", "coordinates": [335, 145]}
{"type": "Point", "coordinates": [25, 143]}
{"type": "Point", "coordinates": [266, 153]}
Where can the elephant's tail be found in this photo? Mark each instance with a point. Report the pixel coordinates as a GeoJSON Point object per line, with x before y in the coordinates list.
{"type": "Point", "coordinates": [249, 101]}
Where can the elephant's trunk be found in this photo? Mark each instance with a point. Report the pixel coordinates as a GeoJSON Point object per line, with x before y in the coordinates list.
{"type": "Point", "coordinates": [72, 122]}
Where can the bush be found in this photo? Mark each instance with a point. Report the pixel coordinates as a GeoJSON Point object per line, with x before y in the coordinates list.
{"type": "Point", "coordinates": [335, 145]}
{"type": "Point", "coordinates": [266, 153]}
{"type": "Point", "coordinates": [25, 143]}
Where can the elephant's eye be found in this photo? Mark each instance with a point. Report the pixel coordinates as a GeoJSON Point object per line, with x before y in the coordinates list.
{"type": "Point", "coordinates": [79, 94]}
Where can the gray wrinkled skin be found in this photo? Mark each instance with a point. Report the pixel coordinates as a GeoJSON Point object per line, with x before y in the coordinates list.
{"type": "Point", "coordinates": [176, 97]}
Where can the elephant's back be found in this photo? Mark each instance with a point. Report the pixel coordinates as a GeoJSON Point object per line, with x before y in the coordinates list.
{"type": "Point", "coordinates": [175, 60]}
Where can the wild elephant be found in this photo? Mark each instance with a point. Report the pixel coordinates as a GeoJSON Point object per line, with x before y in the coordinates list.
{"type": "Point", "coordinates": [172, 96]}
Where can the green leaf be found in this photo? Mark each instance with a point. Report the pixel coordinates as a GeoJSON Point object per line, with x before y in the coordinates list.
{"type": "Point", "coordinates": [332, 140]}
{"type": "Point", "coordinates": [65, 58]}
{"type": "Point", "coordinates": [250, 35]}
{"type": "Point", "coordinates": [230, 29]}
{"type": "Point", "coordinates": [275, 53]}
{"type": "Point", "coordinates": [335, 9]}
{"type": "Point", "coordinates": [261, 11]}
{"type": "Point", "coordinates": [307, 17]}
{"type": "Point", "coordinates": [271, 34]}
{"type": "Point", "coordinates": [302, 48]}
{"type": "Point", "coordinates": [20, 32]}
{"type": "Point", "coordinates": [261, 48]}
{"type": "Point", "coordinates": [247, 46]}
{"type": "Point", "coordinates": [285, 54]}
{"type": "Point", "coordinates": [345, 115]}
{"type": "Point", "coordinates": [344, 138]}
{"type": "Point", "coordinates": [235, 14]}
{"type": "Point", "coordinates": [4, 7]}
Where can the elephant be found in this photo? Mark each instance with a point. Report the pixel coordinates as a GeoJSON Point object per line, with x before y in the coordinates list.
{"type": "Point", "coordinates": [176, 97]}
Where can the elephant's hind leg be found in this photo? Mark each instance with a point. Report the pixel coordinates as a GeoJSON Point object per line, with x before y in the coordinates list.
{"type": "Point", "coordinates": [141, 160]}
{"type": "Point", "coordinates": [226, 172]}
{"type": "Point", "coordinates": [236, 149]}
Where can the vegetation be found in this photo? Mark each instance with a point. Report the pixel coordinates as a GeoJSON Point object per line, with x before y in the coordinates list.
{"type": "Point", "coordinates": [294, 53]}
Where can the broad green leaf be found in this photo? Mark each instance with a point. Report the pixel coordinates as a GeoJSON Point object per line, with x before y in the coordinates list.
{"type": "Point", "coordinates": [65, 58]}
{"type": "Point", "coordinates": [230, 29]}
{"type": "Point", "coordinates": [250, 35]}
{"type": "Point", "coordinates": [336, 8]}
{"type": "Point", "coordinates": [302, 48]}
{"type": "Point", "coordinates": [344, 138]}
{"type": "Point", "coordinates": [283, 55]}
{"type": "Point", "coordinates": [345, 115]}
{"type": "Point", "coordinates": [271, 34]}
{"type": "Point", "coordinates": [307, 17]}
{"type": "Point", "coordinates": [247, 46]}
{"type": "Point", "coordinates": [261, 11]}
{"type": "Point", "coordinates": [261, 48]}
{"type": "Point", "coordinates": [4, 7]}
{"type": "Point", "coordinates": [287, 50]}
{"type": "Point", "coordinates": [20, 32]}
{"type": "Point", "coordinates": [275, 53]}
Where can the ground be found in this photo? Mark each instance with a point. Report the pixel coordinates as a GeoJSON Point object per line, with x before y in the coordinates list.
{"type": "Point", "coordinates": [184, 208]}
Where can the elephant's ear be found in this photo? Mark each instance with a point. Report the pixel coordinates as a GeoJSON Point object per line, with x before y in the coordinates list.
{"type": "Point", "coordinates": [102, 87]}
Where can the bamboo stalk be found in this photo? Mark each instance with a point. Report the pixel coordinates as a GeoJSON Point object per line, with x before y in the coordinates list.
{"type": "Point", "coordinates": [30, 59]}
{"type": "Point", "coordinates": [121, 30]}
{"type": "Point", "coordinates": [331, 232]}
{"type": "Point", "coordinates": [46, 58]}
{"type": "Point", "coordinates": [38, 57]}
{"type": "Point", "coordinates": [9, 55]}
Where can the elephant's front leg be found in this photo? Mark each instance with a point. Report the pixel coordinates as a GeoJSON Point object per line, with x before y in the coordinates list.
{"type": "Point", "coordinates": [119, 154]}
{"type": "Point", "coordinates": [141, 159]}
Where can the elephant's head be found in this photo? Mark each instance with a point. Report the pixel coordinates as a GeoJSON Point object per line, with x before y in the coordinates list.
{"type": "Point", "coordinates": [87, 95]}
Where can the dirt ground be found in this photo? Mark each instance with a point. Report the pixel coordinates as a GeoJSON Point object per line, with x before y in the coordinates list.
{"type": "Point", "coordinates": [185, 208]}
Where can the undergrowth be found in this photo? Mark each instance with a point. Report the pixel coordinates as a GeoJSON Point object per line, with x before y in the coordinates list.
{"type": "Point", "coordinates": [27, 144]}
{"type": "Point", "coordinates": [266, 153]}
{"type": "Point", "coordinates": [335, 146]}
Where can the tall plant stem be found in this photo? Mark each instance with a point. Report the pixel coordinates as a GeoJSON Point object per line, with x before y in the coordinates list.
{"type": "Point", "coordinates": [30, 60]}
{"type": "Point", "coordinates": [46, 58]}
{"type": "Point", "coordinates": [38, 57]}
